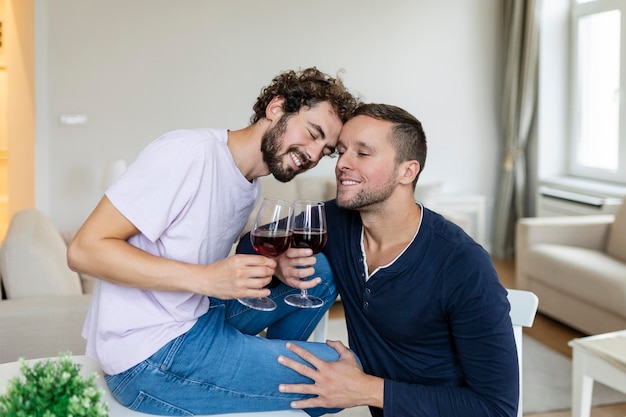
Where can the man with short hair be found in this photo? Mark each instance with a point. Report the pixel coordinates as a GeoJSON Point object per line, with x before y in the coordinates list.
{"type": "Point", "coordinates": [425, 311]}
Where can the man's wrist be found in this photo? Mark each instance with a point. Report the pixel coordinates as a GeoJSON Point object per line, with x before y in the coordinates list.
{"type": "Point", "coordinates": [376, 392]}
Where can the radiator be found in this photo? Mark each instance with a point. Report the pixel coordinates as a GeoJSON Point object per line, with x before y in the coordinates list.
{"type": "Point", "coordinates": [557, 202]}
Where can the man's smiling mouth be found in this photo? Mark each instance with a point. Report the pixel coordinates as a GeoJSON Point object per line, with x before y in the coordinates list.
{"type": "Point", "coordinates": [348, 182]}
{"type": "Point", "coordinates": [296, 160]}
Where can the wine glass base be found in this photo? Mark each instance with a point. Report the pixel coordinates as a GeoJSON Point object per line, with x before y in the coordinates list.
{"type": "Point", "coordinates": [297, 300]}
{"type": "Point", "coordinates": [263, 304]}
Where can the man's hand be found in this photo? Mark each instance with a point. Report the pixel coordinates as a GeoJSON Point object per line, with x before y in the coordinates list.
{"type": "Point", "coordinates": [238, 276]}
{"type": "Point", "coordinates": [340, 384]}
{"type": "Point", "coordinates": [296, 264]}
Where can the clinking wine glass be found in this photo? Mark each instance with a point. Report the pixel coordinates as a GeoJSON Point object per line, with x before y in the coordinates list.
{"type": "Point", "coordinates": [270, 236]}
{"type": "Point", "coordinates": [308, 230]}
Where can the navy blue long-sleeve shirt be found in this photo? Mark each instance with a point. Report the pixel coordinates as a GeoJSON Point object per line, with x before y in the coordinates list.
{"type": "Point", "coordinates": [434, 324]}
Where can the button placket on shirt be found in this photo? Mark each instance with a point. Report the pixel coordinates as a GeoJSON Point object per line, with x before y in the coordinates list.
{"type": "Point", "coordinates": [367, 295]}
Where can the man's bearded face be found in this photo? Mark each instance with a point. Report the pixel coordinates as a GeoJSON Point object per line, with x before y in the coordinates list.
{"type": "Point", "coordinates": [271, 144]}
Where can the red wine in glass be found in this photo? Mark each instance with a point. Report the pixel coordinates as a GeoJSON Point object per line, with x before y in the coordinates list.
{"type": "Point", "coordinates": [308, 231]}
{"type": "Point", "coordinates": [270, 243]}
{"type": "Point", "coordinates": [305, 238]}
{"type": "Point", "coordinates": [270, 236]}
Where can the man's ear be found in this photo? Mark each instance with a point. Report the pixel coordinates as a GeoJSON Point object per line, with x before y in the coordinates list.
{"type": "Point", "coordinates": [408, 171]}
{"type": "Point", "coordinates": [275, 108]}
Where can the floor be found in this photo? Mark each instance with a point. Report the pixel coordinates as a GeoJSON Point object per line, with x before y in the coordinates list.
{"type": "Point", "coordinates": [547, 331]}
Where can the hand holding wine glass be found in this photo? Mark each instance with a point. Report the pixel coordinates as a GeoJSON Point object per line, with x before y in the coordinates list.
{"type": "Point", "coordinates": [308, 230]}
{"type": "Point", "coordinates": [270, 236]}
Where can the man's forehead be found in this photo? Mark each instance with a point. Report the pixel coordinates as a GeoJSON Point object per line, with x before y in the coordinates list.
{"type": "Point", "coordinates": [322, 110]}
{"type": "Point", "coordinates": [323, 118]}
{"type": "Point", "coordinates": [365, 131]}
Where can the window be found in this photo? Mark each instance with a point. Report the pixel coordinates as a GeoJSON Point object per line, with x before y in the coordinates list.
{"type": "Point", "coordinates": [597, 117]}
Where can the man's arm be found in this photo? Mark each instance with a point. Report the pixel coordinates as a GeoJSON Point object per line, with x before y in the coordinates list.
{"type": "Point", "coordinates": [100, 248]}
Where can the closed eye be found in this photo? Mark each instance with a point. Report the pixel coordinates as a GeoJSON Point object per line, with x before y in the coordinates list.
{"type": "Point", "coordinates": [316, 131]}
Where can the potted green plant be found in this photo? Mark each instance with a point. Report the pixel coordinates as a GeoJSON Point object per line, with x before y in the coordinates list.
{"type": "Point", "coordinates": [52, 388]}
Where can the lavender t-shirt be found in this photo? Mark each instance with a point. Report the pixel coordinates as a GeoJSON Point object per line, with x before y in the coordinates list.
{"type": "Point", "coordinates": [190, 202]}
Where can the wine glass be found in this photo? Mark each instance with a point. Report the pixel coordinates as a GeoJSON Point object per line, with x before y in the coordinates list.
{"type": "Point", "coordinates": [308, 230]}
{"type": "Point", "coordinates": [270, 236]}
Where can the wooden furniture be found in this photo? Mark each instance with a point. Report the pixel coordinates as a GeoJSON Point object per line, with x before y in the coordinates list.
{"type": "Point", "coordinates": [599, 358]}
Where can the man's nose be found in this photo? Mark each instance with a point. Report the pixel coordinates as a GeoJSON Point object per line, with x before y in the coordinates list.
{"type": "Point", "coordinates": [316, 152]}
{"type": "Point", "coordinates": [342, 162]}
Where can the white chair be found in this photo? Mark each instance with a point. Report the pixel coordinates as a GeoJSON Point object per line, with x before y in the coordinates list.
{"type": "Point", "coordinates": [319, 334]}
{"type": "Point", "coordinates": [523, 310]}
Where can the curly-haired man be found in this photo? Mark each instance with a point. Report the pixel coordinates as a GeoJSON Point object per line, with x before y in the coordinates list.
{"type": "Point", "coordinates": [164, 322]}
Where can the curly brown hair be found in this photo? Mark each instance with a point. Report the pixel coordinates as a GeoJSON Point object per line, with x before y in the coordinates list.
{"type": "Point", "coordinates": [306, 88]}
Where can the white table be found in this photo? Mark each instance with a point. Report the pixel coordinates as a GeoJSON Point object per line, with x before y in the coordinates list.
{"type": "Point", "coordinates": [90, 366]}
{"type": "Point", "coordinates": [599, 358]}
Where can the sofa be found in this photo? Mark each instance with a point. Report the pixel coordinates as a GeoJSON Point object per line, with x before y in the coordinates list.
{"type": "Point", "coordinates": [576, 265]}
{"type": "Point", "coordinates": [43, 303]}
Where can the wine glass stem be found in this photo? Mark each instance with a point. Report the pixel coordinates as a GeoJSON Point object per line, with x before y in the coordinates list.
{"type": "Point", "coordinates": [304, 294]}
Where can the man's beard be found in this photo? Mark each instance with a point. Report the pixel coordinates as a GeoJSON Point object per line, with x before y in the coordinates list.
{"type": "Point", "coordinates": [368, 198]}
{"type": "Point", "coordinates": [270, 148]}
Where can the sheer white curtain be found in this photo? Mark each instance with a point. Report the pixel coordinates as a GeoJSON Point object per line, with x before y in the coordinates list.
{"type": "Point", "coordinates": [519, 100]}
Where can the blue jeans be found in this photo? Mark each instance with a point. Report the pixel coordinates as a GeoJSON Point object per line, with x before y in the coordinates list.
{"type": "Point", "coordinates": [221, 366]}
